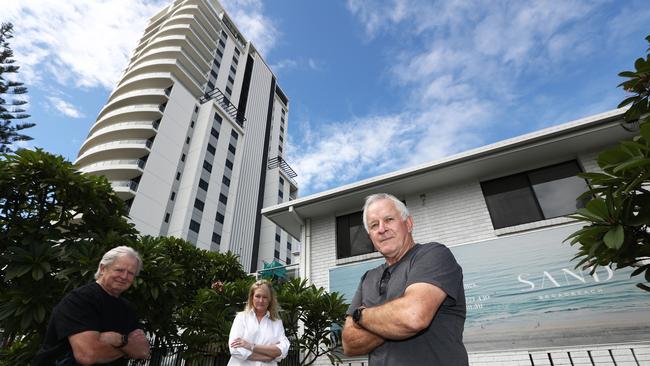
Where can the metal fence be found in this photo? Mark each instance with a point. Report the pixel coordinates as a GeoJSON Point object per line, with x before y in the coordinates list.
{"type": "Point", "coordinates": [175, 356]}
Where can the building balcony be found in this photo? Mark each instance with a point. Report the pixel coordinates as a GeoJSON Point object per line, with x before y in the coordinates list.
{"type": "Point", "coordinates": [125, 189]}
{"type": "Point", "coordinates": [118, 169]}
{"type": "Point", "coordinates": [121, 131]}
{"type": "Point", "coordinates": [115, 150]}
{"type": "Point", "coordinates": [286, 170]}
{"type": "Point", "coordinates": [225, 105]}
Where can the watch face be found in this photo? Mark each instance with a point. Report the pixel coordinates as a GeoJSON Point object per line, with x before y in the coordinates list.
{"type": "Point", "coordinates": [356, 315]}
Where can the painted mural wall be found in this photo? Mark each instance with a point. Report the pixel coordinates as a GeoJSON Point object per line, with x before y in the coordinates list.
{"type": "Point", "coordinates": [523, 292]}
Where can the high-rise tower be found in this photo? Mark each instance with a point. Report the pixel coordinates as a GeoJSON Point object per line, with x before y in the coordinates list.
{"type": "Point", "coordinates": [192, 136]}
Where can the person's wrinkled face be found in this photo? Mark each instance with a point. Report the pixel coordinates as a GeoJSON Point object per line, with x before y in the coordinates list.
{"type": "Point", "coordinates": [389, 233]}
{"type": "Point", "coordinates": [261, 299]}
{"type": "Point", "coordinates": [118, 276]}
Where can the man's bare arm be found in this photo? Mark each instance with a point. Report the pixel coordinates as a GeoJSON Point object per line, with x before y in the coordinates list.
{"type": "Point", "coordinates": [358, 341]}
{"type": "Point", "coordinates": [138, 346]}
{"type": "Point", "coordinates": [407, 315]}
{"type": "Point", "coordinates": [89, 349]}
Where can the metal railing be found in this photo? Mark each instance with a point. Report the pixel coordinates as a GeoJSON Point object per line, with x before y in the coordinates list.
{"type": "Point", "coordinates": [100, 147]}
{"type": "Point", "coordinates": [225, 104]}
{"type": "Point", "coordinates": [173, 356]}
{"type": "Point", "coordinates": [282, 164]}
{"type": "Point", "coordinates": [125, 183]}
{"type": "Point", "coordinates": [139, 162]}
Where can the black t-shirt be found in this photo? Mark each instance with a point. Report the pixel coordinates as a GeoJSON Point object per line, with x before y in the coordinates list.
{"type": "Point", "coordinates": [86, 308]}
{"type": "Point", "coordinates": [441, 343]}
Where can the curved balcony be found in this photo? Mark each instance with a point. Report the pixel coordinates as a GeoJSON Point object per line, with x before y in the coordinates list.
{"type": "Point", "coordinates": [135, 97]}
{"type": "Point", "coordinates": [142, 112]}
{"type": "Point", "coordinates": [184, 51]}
{"type": "Point", "coordinates": [121, 169]}
{"type": "Point", "coordinates": [121, 149]}
{"type": "Point", "coordinates": [153, 80]}
{"type": "Point", "coordinates": [120, 131]}
{"type": "Point", "coordinates": [125, 189]}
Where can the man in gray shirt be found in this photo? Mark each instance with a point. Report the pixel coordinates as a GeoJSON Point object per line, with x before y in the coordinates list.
{"type": "Point", "coordinates": [411, 309]}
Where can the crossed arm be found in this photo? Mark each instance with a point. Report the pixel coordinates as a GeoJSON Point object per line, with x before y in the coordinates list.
{"type": "Point", "coordinates": [260, 352]}
{"type": "Point", "coordinates": [397, 319]}
{"type": "Point", "coordinates": [92, 347]}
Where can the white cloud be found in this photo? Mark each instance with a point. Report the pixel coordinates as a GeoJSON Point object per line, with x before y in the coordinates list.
{"type": "Point", "coordinates": [473, 60]}
{"type": "Point", "coordinates": [88, 43]}
{"type": "Point", "coordinates": [255, 26]}
{"type": "Point", "coordinates": [65, 108]}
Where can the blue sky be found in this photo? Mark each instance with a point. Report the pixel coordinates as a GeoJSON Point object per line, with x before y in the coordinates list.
{"type": "Point", "coordinates": [374, 86]}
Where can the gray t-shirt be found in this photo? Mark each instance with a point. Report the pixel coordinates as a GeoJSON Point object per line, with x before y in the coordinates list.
{"type": "Point", "coordinates": [442, 342]}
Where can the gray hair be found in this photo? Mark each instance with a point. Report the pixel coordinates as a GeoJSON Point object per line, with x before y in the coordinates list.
{"type": "Point", "coordinates": [117, 252]}
{"type": "Point", "coordinates": [399, 205]}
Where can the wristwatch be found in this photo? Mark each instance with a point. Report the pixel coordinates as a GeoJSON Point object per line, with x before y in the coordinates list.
{"type": "Point", "coordinates": [356, 315]}
{"type": "Point", "coordinates": [125, 340]}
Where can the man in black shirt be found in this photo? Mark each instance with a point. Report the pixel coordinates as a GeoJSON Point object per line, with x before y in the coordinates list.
{"type": "Point", "coordinates": [93, 324]}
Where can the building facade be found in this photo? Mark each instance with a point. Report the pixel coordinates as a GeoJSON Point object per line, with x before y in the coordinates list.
{"type": "Point", "coordinates": [502, 211]}
{"type": "Point", "coordinates": [192, 136]}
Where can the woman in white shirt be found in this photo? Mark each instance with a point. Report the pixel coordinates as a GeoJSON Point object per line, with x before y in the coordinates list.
{"type": "Point", "coordinates": [257, 335]}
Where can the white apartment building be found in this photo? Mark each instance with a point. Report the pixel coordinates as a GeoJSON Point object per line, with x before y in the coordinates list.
{"type": "Point", "coordinates": [192, 136]}
{"type": "Point", "coordinates": [501, 210]}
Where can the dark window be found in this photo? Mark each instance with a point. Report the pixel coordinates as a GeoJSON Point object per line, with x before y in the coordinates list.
{"type": "Point", "coordinates": [203, 184]}
{"type": "Point", "coordinates": [230, 78]}
{"type": "Point", "coordinates": [223, 199]}
{"type": "Point", "coordinates": [196, 108]}
{"type": "Point", "coordinates": [351, 236]}
{"type": "Point", "coordinates": [183, 157]}
{"type": "Point", "coordinates": [231, 148]}
{"type": "Point", "coordinates": [219, 53]}
{"type": "Point", "coordinates": [277, 237]}
{"type": "Point", "coordinates": [289, 245]}
{"type": "Point", "coordinates": [187, 140]}
{"type": "Point", "coordinates": [199, 204]}
{"type": "Point", "coordinates": [217, 63]}
{"type": "Point", "coordinates": [218, 118]}
{"type": "Point", "coordinates": [194, 226]}
{"type": "Point", "coordinates": [281, 181]}
{"type": "Point", "coordinates": [211, 149]}
{"type": "Point", "coordinates": [210, 85]}
{"type": "Point", "coordinates": [234, 134]}
{"type": "Point", "coordinates": [237, 51]}
{"type": "Point", "coordinates": [228, 90]}
{"type": "Point", "coordinates": [173, 196]}
{"type": "Point", "coordinates": [214, 132]}
{"type": "Point", "coordinates": [226, 181]}
{"type": "Point", "coordinates": [219, 217]}
{"type": "Point", "coordinates": [178, 175]}
{"type": "Point", "coordinates": [235, 60]}
{"type": "Point", "coordinates": [207, 166]}
{"type": "Point", "coordinates": [228, 164]}
{"type": "Point", "coordinates": [222, 43]}
{"type": "Point", "coordinates": [534, 195]}
{"type": "Point", "coordinates": [167, 217]}
{"type": "Point", "coordinates": [233, 69]}
{"type": "Point", "coordinates": [276, 254]}
{"type": "Point", "coordinates": [216, 238]}
{"type": "Point", "coordinates": [191, 124]}
{"type": "Point", "coordinates": [213, 73]}
{"type": "Point", "coordinates": [280, 194]}
{"type": "Point", "coordinates": [288, 260]}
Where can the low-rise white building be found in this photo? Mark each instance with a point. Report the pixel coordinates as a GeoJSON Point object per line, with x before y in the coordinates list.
{"type": "Point", "coordinates": [501, 209]}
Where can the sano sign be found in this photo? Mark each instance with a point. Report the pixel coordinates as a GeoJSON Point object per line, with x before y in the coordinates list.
{"type": "Point", "coordinates": [523, 291]}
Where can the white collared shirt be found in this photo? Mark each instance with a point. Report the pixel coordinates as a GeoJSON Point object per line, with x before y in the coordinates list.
{"type": "Point", "coordinates": [266, 332]}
